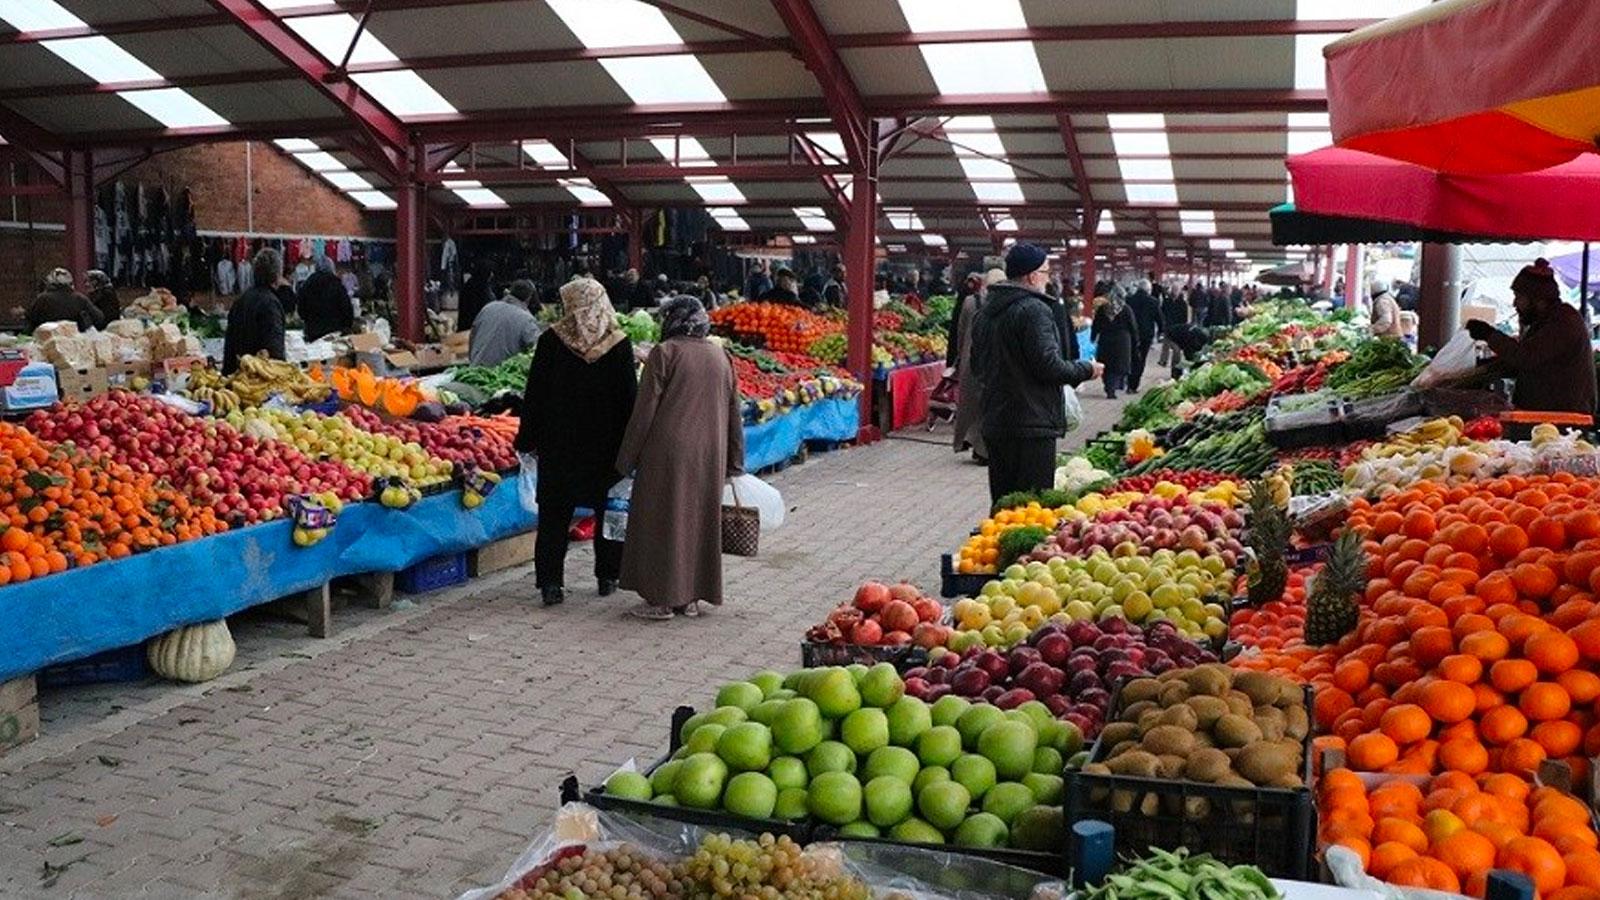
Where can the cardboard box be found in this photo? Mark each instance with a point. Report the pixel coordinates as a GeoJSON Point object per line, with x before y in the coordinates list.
{"type": "Point", "coordinates": [176, 369]}
{"type": "Point", "coordinates": [19, 712]}
{"type": "Point", "coordinates": [119, 374]}
{"type": "Point", "coordinates": [401, 359]}
{"type": "Point", "coordinates": [435, 356]}
{"type": "Point", "coordinates": [365, 342]}
{"type": "Point", "coordinates": [80, 385]}
{"type": "Point", "coordinates": [459, 342]}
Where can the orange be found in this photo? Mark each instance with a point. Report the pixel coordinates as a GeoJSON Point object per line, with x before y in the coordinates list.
{"type": "Point", "coordinates": [1552, 651]}
{"type": "Point", "coordinates": [1440, 824]}
{"type": "Point", "coordinates": [1511, 675]}
{"type": "Point", "coordinates": [1402, 832]}
{"type": "Point", "coordinates": [1506, 786]}
{"type": "Point", "coordinates": [1351, 675]}
{"type": "Point", "coordinates": [1518, 627]}
{"type": "Point", "coordinates": [1549, 533]}
{"type": "Point", "coordinates": [1425, 872]}
{"type": "Point", "coordinates": [1464, 756]}
{"type": "Point", "coordinates": [1587, 636]}
{"type": "Point", "coordinates": [1583, 867]}
{"type": "Point", "coordinates": [1558, 737]}
{"type": "Point", "coordinates": [1498, 833]}
{"type": "Point", "coordinates": [1385, 857]}
{"type": "Point", "coordinates": [1372, 752]}
{"type": "Point", "coordinates": [1465, 851]}
{"type": "Point", "coordinates": [1506, 541]}
{"type": "Point", "coordinates": [1430, 643]}
{"type": "Point", "coordinates": [1406, 723]}
{"type": "Point", "coordinates": [1555, 805]}
{"type": "Point", "coordinates": [1535, 858]}
{"type": "Point", "coordinates": [1461, 668]}
{"type": "Point", "coordinates": [1448, 701]}
{"type": "Point", "coordinates": [1580, 685]}
{"type": "Point", "coordinates": [1535, 581]}
{"type": "Point", "coordinates": [1488, 646]}
{"type": "Point", "coordinates": [1522, 755]}
{"type": "Point", "coordinates": [1460, 782]}
{"type": "Point", "coordinates": [1544, 701]}
{"type": "Point", "coordinates": [1566, 836]}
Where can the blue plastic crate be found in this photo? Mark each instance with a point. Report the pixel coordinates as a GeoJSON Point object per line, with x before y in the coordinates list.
{"type": "Point", "coordinates": [433, 574]}
{"type": "Point", "coordinates": [121, 664]}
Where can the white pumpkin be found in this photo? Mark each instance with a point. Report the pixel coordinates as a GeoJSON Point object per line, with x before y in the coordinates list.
{"type": "Point", "coordinates": [194, 653]}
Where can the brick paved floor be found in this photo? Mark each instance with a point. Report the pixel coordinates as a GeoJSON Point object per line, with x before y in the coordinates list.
{"type": "Point", "coordinates": [417, 751]}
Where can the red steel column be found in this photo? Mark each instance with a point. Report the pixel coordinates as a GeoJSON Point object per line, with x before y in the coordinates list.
{"type": "Point", "coordinates": [860, 259]}
{"type": "Point", "coordinates": [1091, 246]}
{"type": "Point", "coordinates": [411, 255]}
{"type": "Point", "coordinates": [1352, 275]}
{"type": "Point", "coordinates": [1327, 272]}
{"type": "Point", "coordinates": [1159, 270]}
{"type": "Point", "coordinates": [80, 213]}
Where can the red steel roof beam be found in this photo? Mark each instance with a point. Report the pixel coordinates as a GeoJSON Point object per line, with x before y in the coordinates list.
{"type": "Point", "coordinates": [821, 56]}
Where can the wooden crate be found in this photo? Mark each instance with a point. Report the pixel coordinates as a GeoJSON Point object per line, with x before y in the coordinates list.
{"type": "Point", "coordinates": [502, 554]}
{"type": "Point", "coordinates": [19, 712]}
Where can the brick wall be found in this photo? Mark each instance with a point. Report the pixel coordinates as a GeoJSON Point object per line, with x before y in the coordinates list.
{"type": "Point", "coordinates": [284, 198]}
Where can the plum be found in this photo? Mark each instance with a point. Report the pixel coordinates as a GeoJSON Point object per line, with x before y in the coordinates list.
{"type": "Point", "coordinates": [916, 687]}
{"type": "Point", "coordinates": [914, 672]}
{"type": "Point", "coordinates": [1059, 704]}
{"type": "Point", "coordinates": [970, 682]}
{"type": "Point", "coordinates": [1021, 658]}
{"type": "Point", "coordinates": [936, 691]}
{"type": "Point", "coordinates": [1055, 648]}
{"type": "Point", "coordinates": [992, 693]}
{"type": "Point", "coordinates": [1013, 698]}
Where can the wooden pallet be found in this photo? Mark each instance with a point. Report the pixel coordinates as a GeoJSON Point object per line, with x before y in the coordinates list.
{"type": "Point", "coordinates": [19, 712]}
{"type": "Point", "coordinates": [500, 555]}
{"type": "Point", "coordinates": [373, 590]}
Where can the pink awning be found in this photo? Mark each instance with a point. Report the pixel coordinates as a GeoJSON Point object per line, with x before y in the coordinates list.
{"type": "Point", "coordinates": [1561, 203]}
{"type": "Point", "coordinates": [1487, 86]}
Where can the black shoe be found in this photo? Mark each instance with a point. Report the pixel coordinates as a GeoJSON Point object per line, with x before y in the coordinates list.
{"type": "Point", "coordinates": [980, 460]}
{"type": "Point", "coordinates": [608, 586]}
{"type": "Point", "coordinates": [552, 596]}
{"type": "Point", "coordinates": [1111, 395]}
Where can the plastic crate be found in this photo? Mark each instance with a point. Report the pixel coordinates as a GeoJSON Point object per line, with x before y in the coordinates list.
{"type": "Point", "coordinates": [1313, 426]}
{"type": "Point", "coordinates": [432, 574]}
{"type": "Point", "coordinates": [1273, 828]}
{"type": "Point", "coordinates": [122, 664]}
{"type": "Point", "coordinates": [815, 655]}
{"type": "Point", "coordinates": [953, 584]}
{"type": "Point", "coordinates": [1036, 861]}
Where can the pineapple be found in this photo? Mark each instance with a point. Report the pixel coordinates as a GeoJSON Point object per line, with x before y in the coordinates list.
{"type": "Point", "coordinates": [1269, 538]}
{"type": "Point", "coordinates": [1333, 606]}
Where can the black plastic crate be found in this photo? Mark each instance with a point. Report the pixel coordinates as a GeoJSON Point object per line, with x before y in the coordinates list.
{"type": "Point", "coordinates": [122, 664]}
{"type": "Point", "coordinates": [953, 584]}
{"type": "Point", "coordinates": [815, 655]}
{"type": "Point", "coordinates": [1031, 860]}
{"type": "Point", "coordinates": [1272, 828]}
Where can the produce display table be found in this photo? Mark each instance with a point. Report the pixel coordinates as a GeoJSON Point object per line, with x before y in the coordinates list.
{"type": "Point", "coordinates": [900, 396]}
{"type": "Point", "coordinates": [113, 604]}
{"type": "Point", "coordinates": [780, 438]}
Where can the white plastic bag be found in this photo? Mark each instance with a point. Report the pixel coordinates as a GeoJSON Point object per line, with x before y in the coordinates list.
{"type": "Point", "coordinates": [528, 482]}
{"type": "Point", "coordinates": [1457, 358]}
{"type": "Point", "coordinates": [1074, 407]}
{"type": "Point", "coordinates": [614, 524]}
{"type": "Point", "coordinates": [755, 492]}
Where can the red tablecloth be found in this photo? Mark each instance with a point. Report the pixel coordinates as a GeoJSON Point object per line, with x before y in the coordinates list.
{"type": "Point", "coordinates": [909, 388]}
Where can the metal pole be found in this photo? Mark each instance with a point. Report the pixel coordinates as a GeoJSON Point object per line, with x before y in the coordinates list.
{"type": "Point", "coordinates": [1352, 276]}
{"type": "Point", "coordinates": [634, 218]}
{"type": "Point", "coordinates": [411, 250]}
{"type": "Point", "coordinates": [80, 213]}
{"type": "Point", "coordinates": [860, 261]}
{"type": "Point", "coordinates": [1583, 284]}
{"type": "Point", "coordinates": [1439, 303]}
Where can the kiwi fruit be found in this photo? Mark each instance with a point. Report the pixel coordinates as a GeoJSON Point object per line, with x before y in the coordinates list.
{"type": "Point", "coordinates": [1207, 765]}
{"type": "Point", "coordinates": [1239, 703]}
{"type": "Point", "coordinates": [1122, 748]}
{"type": "Point", "coordinates": [1181, 715]}
{"type": "Point", "coordinates": [1150, 806]}
{"type": "Point", "coordinates": [1171, 675]}
{"type": "Point", "coordinates": [1203, 739]}
{"type": "Point", "coordinates": [1133, 711]}
{"type": "Point", "coordinates": [1150, 719]}
{"type": "Point", "coordinates": [1288, 780]}
{"type": "Point", "coordinates": [1272, 722]}
{"type": "Point", "coordinates": [1171, 765]}
{"type": "Point", "coordinates": [1296, 723]}
{"type": "Point", "coordinates": [1116, 732]}
{"type": "Point", "coordinates": [1122, 801]}
{"type": "Point", "coordinates": [1264, 762]}
{"type": "Point", "coordinates": [1174, 693]}
{"type": "Point", "coordinates": [1233, 730]}
{"type": "Point", "coordinates": [1196, 809]}
{"type": "Point", "coordinates": [1208, 679]}
{"type": "Point", "coordinates": [1097, 795]}
{"type": "Point", "coordinates": [1140, 689]}
{"type": "Point", "coordinates": [1138, 763]}
{"type": "Point", "coordinates": [1168, 739]}
{"type": "Point", "coordinates": [1262, 688]}
{"type": "Point", "coordinates": [1207, 709]}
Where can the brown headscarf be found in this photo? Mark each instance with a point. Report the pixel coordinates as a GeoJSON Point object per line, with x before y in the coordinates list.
{"type": "Point", "coordinates": [589, 326]}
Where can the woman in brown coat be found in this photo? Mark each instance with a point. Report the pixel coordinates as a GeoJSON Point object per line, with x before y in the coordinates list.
{"type": "Point", "coordinates": [684, 441]}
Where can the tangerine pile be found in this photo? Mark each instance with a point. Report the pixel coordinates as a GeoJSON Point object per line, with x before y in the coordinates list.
{"type": "Point", "coordinates": [782, 327]}
{"type": "Point", "coordinates": [981, 552]}
{"type": "Point", "coordinates": [1447, 833]}
{"type": "Point", "coordinates": [59, 508]}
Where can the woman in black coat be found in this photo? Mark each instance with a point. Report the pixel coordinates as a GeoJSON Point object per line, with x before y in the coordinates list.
{"type": "Point", "coordinates": [575, 409]}
{"type": "Point", "coordinates": [1114, 333]}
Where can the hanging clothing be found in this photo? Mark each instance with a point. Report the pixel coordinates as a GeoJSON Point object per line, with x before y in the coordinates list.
{"type": "Point", "coordinates": [227, 277]}
{"type": "Point", "coordinates": [244, 275]}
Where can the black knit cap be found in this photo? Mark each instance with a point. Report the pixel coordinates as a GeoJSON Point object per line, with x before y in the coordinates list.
{"type": "Point", "coordinates": [1537, 281]}
{"type": "Point", "coordinates": [1022, 259]}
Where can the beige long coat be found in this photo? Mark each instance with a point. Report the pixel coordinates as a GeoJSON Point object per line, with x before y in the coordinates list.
{"type": "Point", "coordinates": [683, 442]}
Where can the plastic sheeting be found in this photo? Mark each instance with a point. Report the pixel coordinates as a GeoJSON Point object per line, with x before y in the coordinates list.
{"type": "Point", "coordinates": [114, 604]}
{"type": "Point", "coordinates": [774, 441]}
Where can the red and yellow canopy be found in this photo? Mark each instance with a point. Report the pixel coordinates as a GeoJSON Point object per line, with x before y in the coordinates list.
{"type": "Point", "coordinates": [1471, 86]}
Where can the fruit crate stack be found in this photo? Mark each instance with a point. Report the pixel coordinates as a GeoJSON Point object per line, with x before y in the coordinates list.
{"type": "Point", "coordinates": [1210, 759]}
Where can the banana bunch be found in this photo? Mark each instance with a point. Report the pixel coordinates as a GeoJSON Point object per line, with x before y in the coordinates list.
{"type": "Point", "coordinates": [259, 377]}
{"type": "Point", "coordinates": [1279, 483]}
{"type": "Point", "coordinates": [1430, 435]}
{"type": "Point", "coordinates": [223, 400]}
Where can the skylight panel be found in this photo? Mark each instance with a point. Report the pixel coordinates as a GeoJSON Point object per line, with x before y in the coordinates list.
{"type": "Point", "coordinates": [1144, 244]}
{"type": "Point", "coordinates": [926, 16]}
{"type": "Point", "coordinates": [615, 23]}
{"type": "Point", "coordinates": [545, 155]}
{"type": "Point", "coordinates": [1005, 223]}
{"type": "Point", "coordinates": [585, 192]}
{"type": "Point", "coordinates": [102, 60]}
{"type": "Point", "coordinates": [320, 161]}
{"type": "Point", "coordinates": [1319, 121]}
{"type": "Point", "coordinates": [1310, 70]}
{"type": "Point", "coordinates": [1007, 67]}
{"type": "Point", "coordinates": [479, 197]}
{"type": "Point", "coordinates": [829, 141]}
{"type": "Point", "coordinates": [1235, 254]}
{"type": "Point", "coordinates": [1307, 141]}
{"type": "Point", "coordinates": [998, 192]}
{"type": "Point", "coordinates": [803, 239]}
{"type": "Point", "coordinates": [174, 108]}
{"type": "Point", "coordinates": [1107, 226]}
{"type": "Point", "coordinates": [1197, 222]}
{"type": "Point", "coordinates": [684, 151]}
{"type": "Point", "coordinates": [813, 218]}
{"type": "Point", "coordinates": [1222, 243]}
{"type": "Point", "coordinates": [1151, 193]}
{"type": "Point", "coordinates": [664, 79]}
{"type": "Point", "coordinates": [1147, 169]}
{"type": "Point", "coordinates": [728, 219]}
{"type": "Point", "coordinates": [374, 199]}
{"type": "Point", "coordinates": [330, 35]}
{"type": "Point", "coordinates": [1077, 242]}
{"type": "Point", "coordinates": [904, 220]}
{"type": "Point", "coordinates": [296, 145]}
{"type": "Point", "coordinates": [716, 189]}
{"type": "Point", "coordinates": [980, 167]}
{"type": "Point", "coordinates": [1137, 121]}
{"type": "Point", "coordinates": [404, 93]}
{"type": "Point", "coordinates": [346, 180]}
{"type": "Point", "coordinates": [1324, 10]}
{"type": "Point", "coordinates": [38, 15]}
{"type": "Point", "coordinates": [935, 240]}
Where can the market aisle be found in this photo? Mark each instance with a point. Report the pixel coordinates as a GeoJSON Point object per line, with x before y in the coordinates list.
{"type": "Point", "coordinates": [419, 758]}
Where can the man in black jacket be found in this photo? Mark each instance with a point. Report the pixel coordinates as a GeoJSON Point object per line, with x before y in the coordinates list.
{"type": "Point", "coordinates": [324, 303]}
{"type": "Point", "coordinates": [255, 321]}
{"type": "Point", "coordinates": [1016, 347]}
{"type": "Point", "coordinates": [1146, 311]}
{"type": "Point", "coordinates": [1174, 315]}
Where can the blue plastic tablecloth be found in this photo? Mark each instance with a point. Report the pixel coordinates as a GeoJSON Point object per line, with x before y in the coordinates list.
{"type": "Point", "coordinates": [113, 604]}
{"type": "Point", "coordinates": [776, 440]}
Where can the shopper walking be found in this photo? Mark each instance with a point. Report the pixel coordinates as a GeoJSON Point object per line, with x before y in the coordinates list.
{"type": "Point", "coordinates": [1385, 314]}
{"type": "Point", "coordinates": [969, 393]}
{"type": "Point", "coordinates": [581, 388]}
{"type": "Point", "coordinates": [1016, 349]}
{"type": "Point", "coordinates": [1220, 313]}
{"type": "Point", "coordinates": [1115, 333]}
{"type": "Point", "coordinates": [684, 441]}
{"type": "Point", "coordinates": [255, 321]}
{"type": "Point", "coordinates": [504, 328]}
{"type": "Point", "coordinates": [1146, 311]}
{"type": "Point", "coordinates": [1174, 315]}
{"type": "Point", "coordinates": [324, 303]}
{"type": "Point", "coordinates": [103, 294]}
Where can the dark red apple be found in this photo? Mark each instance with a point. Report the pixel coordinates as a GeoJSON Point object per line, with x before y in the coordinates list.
{"type": "Point", "coordinates": [1013, 698]}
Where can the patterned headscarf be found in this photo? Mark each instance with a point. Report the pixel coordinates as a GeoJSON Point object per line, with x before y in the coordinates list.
{"type": "Point", "coordinates": [683, 316]}
{"type": "Point", "coordinates": [589, 325]}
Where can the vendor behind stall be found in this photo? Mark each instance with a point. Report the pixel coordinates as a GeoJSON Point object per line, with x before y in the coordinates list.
{"type": "Point", "coordinates": [505, 327]}
{"type": "Point", "coordinates": [255, 321]}
{"type": "Point", "coordinates": [58, 302]}
{"type": "Point", "coordinates": [1551, 359]}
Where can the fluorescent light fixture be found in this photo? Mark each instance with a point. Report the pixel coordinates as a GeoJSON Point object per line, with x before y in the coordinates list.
{"type": "Point", "coordinates": [584, 191]}
{"type": "Point", "coordinates": [373, 199]}
{"type": "Point", "coordinates": [683, 151]}
{"type": "Point", "coordinates": [346, 180]}
{"type": "Point", "coordinates": [1197, 222]}
{"type": "Point", "coordinates": [1222, 243]}
{"type": "Point", "coordinates": [102, 60]}
{"type": "Point", "coordinates": [664, 79]}
{"type": "Point", "coordinates": [545, 155]}
{"type": "Point", "coordinates": [615, 23]}
{"type": "Point", "coordinates": [174, 108]}
{"type": "Point", "coordinates": [295, 145]}
{"type": "Point", "coordinates": [38, 15]}
{"type": "Point", "coordinates": [1144, 245]}
{"type": "Point", "coordinates": [1077, 242]}
{"type": "Point", "coordinates": [320, 161]}
{"type": "Point", "coordinates": [728, 219]}
{"type": "Point", "coordinates": [1235, 254]}
{"type": "Point", "coordinates": [897, 248]}
{"type": "Point", "coordinates": [717, 189]}
{"type": "Point", "coordinates": [935, 240]}
{"type": "Point", "coordinates": [803, 239]}
{"type": "Point", "coordinates": [1007, 67]}
{"type": "Point", "coordinates": [813, 218]}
